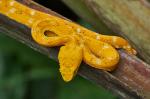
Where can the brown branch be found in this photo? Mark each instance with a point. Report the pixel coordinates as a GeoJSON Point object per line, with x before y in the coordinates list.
{"type": "Point", "coordinates": [129, 80]}
{"type": "Point", "coordinates": [127, 17]}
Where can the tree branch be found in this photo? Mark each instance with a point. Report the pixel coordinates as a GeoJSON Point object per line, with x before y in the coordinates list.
{"type": "Point", "coordinates": [129, 80]}
{"type": "Point", "coordinates": [128, 18]}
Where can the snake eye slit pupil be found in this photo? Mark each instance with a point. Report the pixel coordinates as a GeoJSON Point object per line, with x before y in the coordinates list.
{"type": "Point", "coordinates": [49, 33]}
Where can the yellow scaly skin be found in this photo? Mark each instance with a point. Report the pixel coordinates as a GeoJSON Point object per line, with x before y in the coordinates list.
{"type": "Point", "coordinates": [77, 43]}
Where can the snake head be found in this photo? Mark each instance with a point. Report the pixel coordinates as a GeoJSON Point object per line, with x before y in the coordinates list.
{"type": "Point", "coordinates": [70, 57]}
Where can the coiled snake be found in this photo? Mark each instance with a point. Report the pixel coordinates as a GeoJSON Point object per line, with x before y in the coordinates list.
{"type": "Point", "coordinates": [77, 43]}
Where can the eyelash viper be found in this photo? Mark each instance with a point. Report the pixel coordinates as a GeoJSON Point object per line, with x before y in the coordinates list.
{"type": "Point", "coordinates": [77, 43]}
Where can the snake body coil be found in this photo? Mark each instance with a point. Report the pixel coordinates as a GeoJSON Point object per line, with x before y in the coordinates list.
{"type": "Point", "coordinates": [77, 43]}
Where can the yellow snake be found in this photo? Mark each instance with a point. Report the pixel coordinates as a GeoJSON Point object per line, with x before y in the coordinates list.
{"type": "Point", "coordinates": [77, 43]}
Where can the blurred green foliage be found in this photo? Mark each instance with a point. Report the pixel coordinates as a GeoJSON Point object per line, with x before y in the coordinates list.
{"type": "Point", "coordinates": [26, 74]}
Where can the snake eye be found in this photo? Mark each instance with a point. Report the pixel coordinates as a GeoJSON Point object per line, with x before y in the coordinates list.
{"type": "Point", "coordinates": [49, 33]}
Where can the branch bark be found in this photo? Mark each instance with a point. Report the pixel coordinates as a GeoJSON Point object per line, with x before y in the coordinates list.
{"type": "Point", "coordinates": [128, 18]}
{"type": "Point", "coordinates": [130, 80]}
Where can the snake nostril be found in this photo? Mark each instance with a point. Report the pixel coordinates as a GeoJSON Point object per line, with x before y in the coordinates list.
{"type": "Point", "coordinates": [49, 33]}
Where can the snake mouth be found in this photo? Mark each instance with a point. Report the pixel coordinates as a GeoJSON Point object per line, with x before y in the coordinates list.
{"type": "Point", "coordinates": [68, 73]}
{"type": "Point", "coordinates": [67, 76]}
